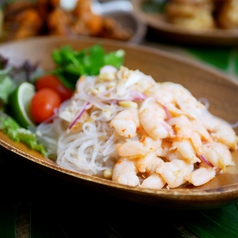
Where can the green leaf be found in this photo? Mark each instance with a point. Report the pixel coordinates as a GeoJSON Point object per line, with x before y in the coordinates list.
{"type": "Point", "coordinates": [235, 57]}
{"type": "Point", "coordinates": [216, 223]}
{"type": "Point", "coordinates": [8, 216]}
{"type": "Point", "coordinates": [154, 5]}
{"type": "Point", "coordinates": [6, 84]}
{"type": "Point", "coordinates": [18, 134]}
{"type": "Point", "coordinates": [71, 64]}
{"type": "Point", "coordinates": [218, 57]}
{"type": "Point", "coordinates": [115, 58]}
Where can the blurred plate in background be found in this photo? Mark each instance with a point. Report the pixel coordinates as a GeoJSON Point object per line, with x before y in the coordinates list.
{"type": "Point", "coordinates": [108, 19]}
{"type": "Point", "coordinates": [164, 31]}
{"type": "Point", "coordinates": [123, 12]}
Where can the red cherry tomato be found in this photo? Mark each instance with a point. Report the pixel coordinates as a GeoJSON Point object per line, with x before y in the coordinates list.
{"type": "Point", "coordinates": [53, 82]}
{"type": "Point", "coordinates": [43, 104]}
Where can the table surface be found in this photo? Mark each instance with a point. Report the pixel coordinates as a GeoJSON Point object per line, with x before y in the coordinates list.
{"type": "Point", "coordinates": [37, 204]}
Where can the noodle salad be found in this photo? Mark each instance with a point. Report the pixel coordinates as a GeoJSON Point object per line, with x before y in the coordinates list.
{"type": "Point", "coordinates": [124, 126]}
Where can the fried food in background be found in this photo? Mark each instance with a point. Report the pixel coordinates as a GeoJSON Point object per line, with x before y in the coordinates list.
{"type": "Point", "coordinates": [228, 15]}
{"type": "Point", "coordinates": [23, 19]}
{"type": "Point", "coordinates": [203, 14]}
{"type": "Point", "coordinates": [191, 13]}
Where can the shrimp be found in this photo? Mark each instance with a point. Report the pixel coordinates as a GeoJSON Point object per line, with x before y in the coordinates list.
{"type": "Point", "coordinates": [152, 118]}
{"type": "Point", "coordinates": [131, 149]}
{"type": "Point", "coordinates": [126, 123]}
{"type": "Point", "coordinates": [138, 158]}
{"type": "Point", "coordinates": [154, 181]}
{"type": "Point", "coordinates": [186, 150]}
{"type": "Point", "coordinates": [136, 148]}
{"type": "Point", "coordinates": [220, 130]}
{"type": "Point", "coordinates": [172, 155]}
{"type": "Point", "coordinates": [185, 101]}
{"type": "Point", "coordinates": [217, 154]}
{"type": "Point", "coordinates": [201, 175]}
{"type": "Point", "coordinates": [125, 172]}
{"type": "Point", "coordinates": [149, 163]}
{"type": "Point", "coordinates": [180, 135]}
{"type": "Point", "coordinates": [175, 172]}
{"type": "Point", "coordinates": [132, 171]}
{"type": "Point", "coordinates": [164, 149]}
{"type": "Point", "coordinates": [165, 98]}
{"type": "Point", "coordinates": [177, 99]}
{"type": "Point", "coordinates": [185, 128]}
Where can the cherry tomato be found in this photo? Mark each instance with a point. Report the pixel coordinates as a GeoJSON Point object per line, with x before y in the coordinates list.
{"type": "Point", "coordinates": [43, 104]}
{"type": "Point", "coordinates": [53, 82]}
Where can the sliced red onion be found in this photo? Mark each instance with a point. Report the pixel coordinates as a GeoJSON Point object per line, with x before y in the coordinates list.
{"type": "Point", "coordinates": [167, 127]}
{"type": "Point", "coordinates": [205, 102]}
{"type": "Point", "coordinates": [50, 119]}
{"type": "Point", "coordinates": [234, 125]}
{"type": "Point", "coordinates": [115, 102]}
{"type": "Point", "coordinates": [202, 157]}
{"type": "Point", "coordinates": [167, 112]}
{"type": "Point", "coordinates": [108, 69]}
{"type": "Point", "coordinates": [79, 115]}
{"type": "Point", "coordinates": [138, 95]}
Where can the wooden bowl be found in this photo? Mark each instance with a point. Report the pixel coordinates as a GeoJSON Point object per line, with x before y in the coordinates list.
{"type": "Point", "coordinates": [130, 20]}
{"type": "Point", "coordinates": [161, 30]}
{"type": "Point", "coordinates": [201, 80]}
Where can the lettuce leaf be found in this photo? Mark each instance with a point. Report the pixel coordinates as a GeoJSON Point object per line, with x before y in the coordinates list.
{"type": "Point", "coordinates": [6, 84]}
{"type": "Point", "coordinates": [18, 134]}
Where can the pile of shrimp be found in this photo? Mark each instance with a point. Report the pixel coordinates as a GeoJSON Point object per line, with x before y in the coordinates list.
{"type": "Point", "coordinates": [140, 132]}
